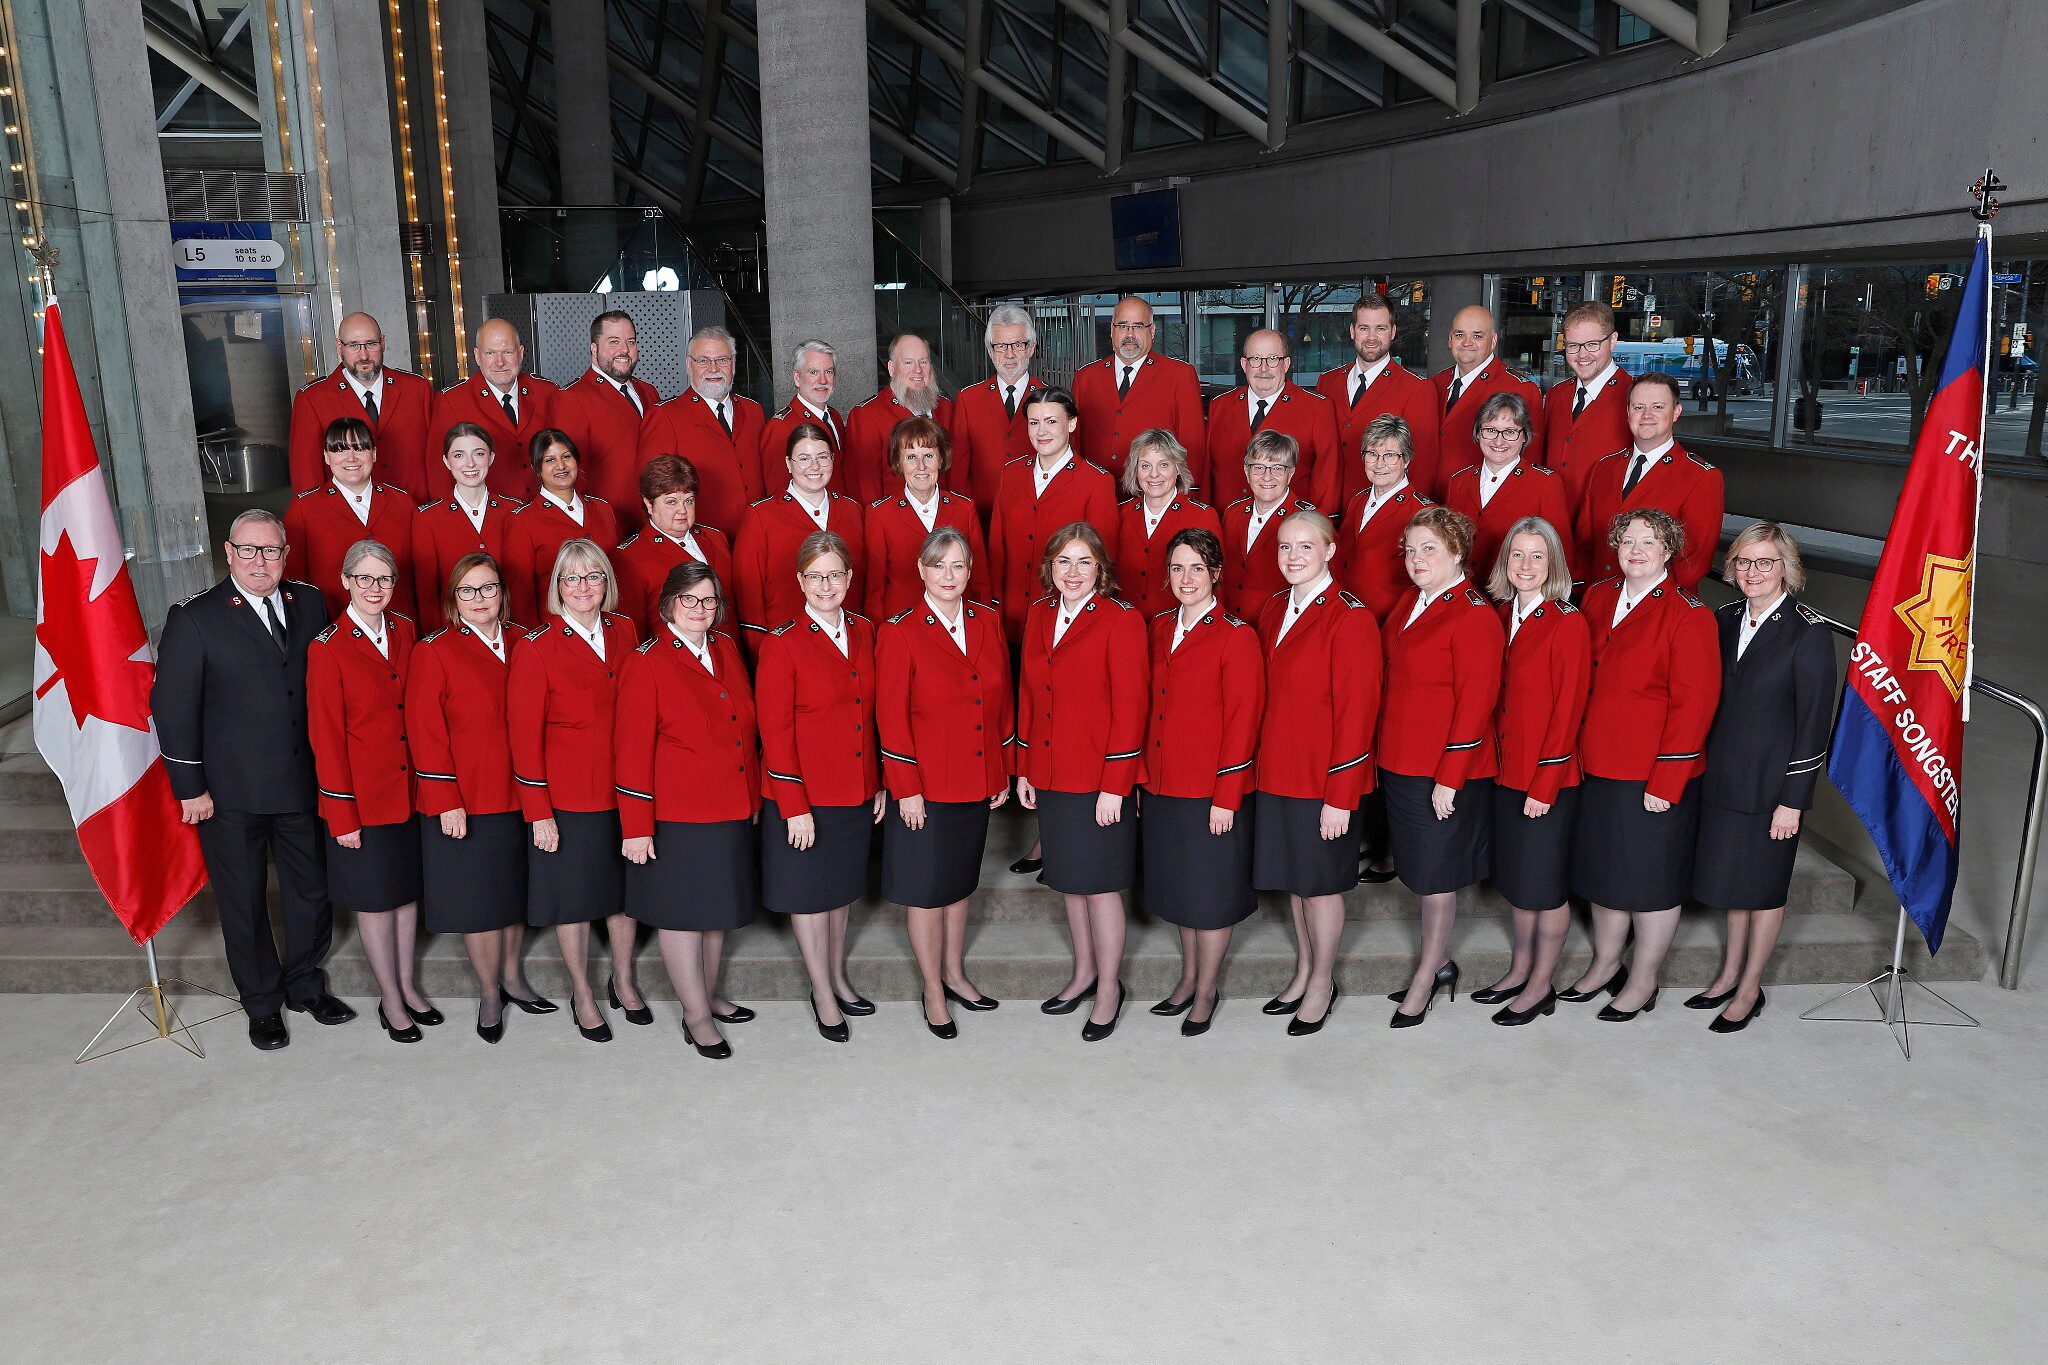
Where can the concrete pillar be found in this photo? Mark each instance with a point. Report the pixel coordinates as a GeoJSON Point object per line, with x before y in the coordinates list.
{"type": "Point", "coordinates": [583, 137]}
{"type": "Point", "coordinates": [1447, 294]}
{"type": "Point", "coordinates": [935, 235]}
{"type": "Point", "coordinates": [820, 208]}
{"type": "Point", "coordinates": [473, 165]}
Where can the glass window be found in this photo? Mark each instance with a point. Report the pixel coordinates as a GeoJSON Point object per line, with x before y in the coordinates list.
{"type": "Point", "coordinates": [1547, 33]}
{"type": "Point", "coordinates": [1223, 319]}
{"type": "Point", "coordinates": [1169, 328]}
{"type": "Point", "coordinates": [1532, 309]}
{"type": "Point", "coordinates": [2019, 299]}
{"type": "Point", "coordinates": [1632, 28]}
{"type": "Point", "coordinates": [1316, 320]}
{"type": "Point", "coordinates": [1665, 320]}
{"type": "Point", "coordinates": [1869, 346]}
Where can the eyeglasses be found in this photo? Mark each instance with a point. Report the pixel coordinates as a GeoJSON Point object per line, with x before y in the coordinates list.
{"type": "Point", "coordinates": [1756, 565]}
{"type": "Point", "coordinates": [1265, 362]}
{"type": "Point", "coordinates": [812, 461]}
{"type": "Point", "coordinates": [1502, 435]}
{"type": "Point", "coordinates": [691, 602]}
{"type": "Point", "coordinates": [1130, 326]}
{"type": "Point", "coordinates": [594, 579]}
{"type": "Point", "coordinates": [269, 554]}
{"type": "Point", "coordinates": [470, 593]}
{"type": "Point", "coordinates": [712, 362]}
{"type": "Point", "coordinates": [1585, 347]}
{"type": "Point", "coordinates": [378, 582]}
{"type": "Point", "coordinates": [362, 345]}
{"type": "Point", "coordinates": [1010, 347]}
{"type": "Point", "coordinates": [822, 580]}
{"type": "Point", "coordinates": [1263, 468]}
{"type": "Point", "coordinates": [1067, 564]}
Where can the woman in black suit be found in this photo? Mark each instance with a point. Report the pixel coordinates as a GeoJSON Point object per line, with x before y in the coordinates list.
{"type": "Point", "coordinates": [1764, 756]}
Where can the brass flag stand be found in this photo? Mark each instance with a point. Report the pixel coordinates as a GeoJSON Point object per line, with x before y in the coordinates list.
{"type": "Point", "coordinates": [153, 1002]}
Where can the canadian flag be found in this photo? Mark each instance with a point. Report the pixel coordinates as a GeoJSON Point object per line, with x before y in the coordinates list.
{"type": "Point", "coordinates": [93, 672]}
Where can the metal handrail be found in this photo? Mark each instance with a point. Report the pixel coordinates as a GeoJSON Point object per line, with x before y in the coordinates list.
{"type": "Point", "coordinates": [2030, 830]}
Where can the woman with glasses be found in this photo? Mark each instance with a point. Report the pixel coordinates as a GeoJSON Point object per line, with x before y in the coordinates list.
{"type": "Point", "coordinates": [355, 705]}
{"type": "Point", "coordinates": [1656, 682]}
{"type": "Point", "coordinates": [920, 453]}
{"type": "Point", "coordinates": [1764, 757]}
{"type": "Point", "coordinates": [1369, 557]}
{"type": "Point", "coordinates": [1504, 487]}
{"type": "Point", "coordinates": [472, 520]}
{"type": "Point", "coordinates": [815, 693]}
{"type": "Point", "coordinates": [559, 513]}
{"type": "Point", "coordinates": [689, 780]}
{"type": "Point", "coordinates": [1080, 739]}
{"type": "Point", "coordinates": [764, 561]}
{"type": "Point", "coordinates": [944, 727]}
{"type": "Point", "coordinates": [559, 707]}
{"type": "Point", "coordinates": [1156, 483]}
{"type": "Point", "coordinates": [472, 841]}
{"type": "Point", "coordinates": [672, 536]}
{"type": "Point", "coordinates": [322, 525]}
{"type": "Point", "coordinates": [1039, 496]}
{"type": "Point", "coordinates": [1251, 525]}
{"type": "Point", "coordinates": [1207, 695]}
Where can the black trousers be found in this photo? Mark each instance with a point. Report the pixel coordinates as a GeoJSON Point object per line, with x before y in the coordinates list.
{"type": "Point", "coordinates": [238, 846]}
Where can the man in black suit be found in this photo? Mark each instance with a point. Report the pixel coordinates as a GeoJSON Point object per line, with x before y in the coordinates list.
{"type": "Point", "coordinates": [230, 702]}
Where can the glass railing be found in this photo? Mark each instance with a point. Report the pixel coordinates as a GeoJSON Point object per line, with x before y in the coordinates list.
{"type": "Point", "coordinates": [911, 297]}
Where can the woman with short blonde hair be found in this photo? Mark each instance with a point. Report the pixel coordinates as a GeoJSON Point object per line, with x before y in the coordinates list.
{"type": "Point", "coordinates": [1159, 507]}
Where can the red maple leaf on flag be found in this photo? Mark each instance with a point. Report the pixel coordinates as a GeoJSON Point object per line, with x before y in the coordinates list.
{"type": "Point", "coordinates": [91, 641]}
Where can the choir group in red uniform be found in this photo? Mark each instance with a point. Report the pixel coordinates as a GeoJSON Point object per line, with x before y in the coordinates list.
{"type": "Point", "coordinates": [1450, 626]}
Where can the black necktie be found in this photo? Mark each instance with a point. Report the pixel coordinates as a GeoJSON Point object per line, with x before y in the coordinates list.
{"type": "Point", "coordinates": [1451, 399]}
{"type": "Point", "coordinates": [723, 420]}
{"type": "Point", "coordinates": [1259, 415]}
{"type": "Point", "coordinates": [1635, 473]}
{"type": "Point", "coordinates": [1123, 387]}
{"type": "Point", "coordinates": [274, 619]}
{"type": "Point", "coordinates": [1010, 402]}
{"type": "Point", "coordinates": [1358, 389]}
{"type": "Point", "coordinates": [633, 398]}
{"type": "Point", "coordinates": [511, 413]}
{"type": "Point", "coordinates": [1579, 403]}
{"type": "Point", "coordinates": [370, 406]}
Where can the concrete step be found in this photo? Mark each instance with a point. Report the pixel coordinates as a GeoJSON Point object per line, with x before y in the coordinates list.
{"type": "Point", "coordinates": [25, 777]}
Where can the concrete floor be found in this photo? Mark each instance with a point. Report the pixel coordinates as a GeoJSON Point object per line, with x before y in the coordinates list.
{"type": "Point", "coordinates": [1571, 1191]}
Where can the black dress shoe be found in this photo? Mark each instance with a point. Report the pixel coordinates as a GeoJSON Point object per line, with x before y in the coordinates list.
{"type": "Point", "coordinates": [428, 1017]}
{"type": "Point", "coordinates": [1723, 1024]}
{"type": "Point", "coordinates": [1280, 1004]}
{"type": "Point", "coordinates": [1610, 1015]}
{"type": "Point", "coordinates": [1446, 975]}
{"type": "Point", "coordinates": [831, 1033]}
{"type": "Point", "coordinates": [1499, 993]}
{"type": "Point", "coordinates": [1192, 1027]}
{"type": "Point", "coordinates": [1060, 1004]}
{"type": "Point", "coordinates": [1027, 863]}
{"type": "Point", "coordinates": [601, 1034]}
{"type": "Point", "coordinates": [738, 1014]}
{"type": "Point", "coordinates": [324, 1008]}
{"type": "Point", "coordinates": [985, 1002]}
{"type": "Point", "coordinates": [715, 1052]}
{"type": "Point", "coordinates": [642, 1015]}
{"type": "Point", "coordinates": [409, 1034]}
{"type": "Point", "coordinates": [1298, 1027]}
{"type": "Point", "coordinates": [1510, 1017]}
{"type": "Point", "coordinates": [490, 1033]}
{"type": "Point", "coordinates": [858, 1007]}
{"type": "Point", "coordinates": [267, 1032]}
{"type": "Point", "coordinates": [532, 1005]}
{"type": "Point", "coordinates": [949, 1029]}
{"type": "Point", "coordinates": [1370, 876]}
{"type": "Point", "coordinates": [1170, 1007]}
{"type": "Point", "coordinates": [1092, 1032]}
{"type": "Point", "coordinates": [1703, 1001]}
{"type": "Point", "coordinates": [1611, 986]}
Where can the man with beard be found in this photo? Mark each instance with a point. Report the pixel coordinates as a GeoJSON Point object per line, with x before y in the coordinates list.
{"type": "Point", "coordinates": [912, 391]}
{"type": "Point", "coordinates": [988, 427]}
{"type": "Point", "coordinates": [508, 403]}
{"type": "Point", "coordinates": [815, 372]}
{"type": "Point", "coordinates": [603, 411]}
{"type": "Point", "coordinates": [396, 403]}
{"type": "Point", "coordinates": [1373, 386]}
{"type": "Point", "coordinates": [717, 431]}
{"type": "Point", "coordinates": [1136, 389]}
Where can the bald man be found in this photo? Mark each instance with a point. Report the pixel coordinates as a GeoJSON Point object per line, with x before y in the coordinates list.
{"type": "Point", "coordinates": [1136, 389]}
{"type": "Point", "coordinates": [397, 404]}
{"type": "Point", "coordinates": [508, 403]}
{"type": "Point", "coordinates": [1270, 401]}
{"type": "Point", "coordinates": [1475, 375]}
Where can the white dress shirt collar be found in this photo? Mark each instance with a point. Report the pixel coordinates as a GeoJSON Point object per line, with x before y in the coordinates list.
{"type": "Point", "coordinates": [573, 508]}
{"type": "Point", "coordinates": [1152, 518]}
{"type": "Point", "coordinates": [594, 636]}
{"type": "Point", "coordinates": [365, 392]}
{"type": "Point", "coordinates": [1252, 401]}
{"type": "Point", "coordinates": [494, 643]}
{"type": "Point", "coordinates": [1423, 600]}
{"type": "Point", "coordinates": [1752, 623]}
{"type": "Point", "coordinates": [1653, 454]}
{"type": "Point", "coordinates": [1466, 377]}
{"type": "Point", "coordinates": [1067, 614]}
{"type": "Point", "coordinates": [1300, 600]}
{"type": "Point", "coordinates": [1256, 522]}
{"type": "Point", "coordinates": [474, 513]}
{"type": "Point", "coordinates": [836, 634]}
{"type": "Point", "coordinates": [1598, 382]}
{"type": "Point", "coordinates": [1625, 601]}
{"type": "Point", "coordinates": [1490, 480]}
{"type": "Point", "coordinates": [927, 511]}
{"type": "Point", "coordinates": [376, 635]}
{"type": "Point", "coordinates": [821, 512]}
{"type": "Point", "coordinates": [358, 502]}
{"type": "Point", "coordinates": [1517, 614]}
{"type": "Point", "coordinates": [1182, 625]}
{"type": "Point", "coordinates": [957, 627]}
{"type": "Point", "coordinates": [1376, 498]}
{"type": "Point", "coordinates": [623, 387]}
{"type": "Point", "coordinates": [1371, 373]}
{"type": "Point", "coordinates": [1041, 477]}
{"type": "Point", "coordinates": [702, 653]}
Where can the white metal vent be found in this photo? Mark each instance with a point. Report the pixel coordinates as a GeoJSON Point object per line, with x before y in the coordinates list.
{"type": "Point", "coordinates": [235, 196]}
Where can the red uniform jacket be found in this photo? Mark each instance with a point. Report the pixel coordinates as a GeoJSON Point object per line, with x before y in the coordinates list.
{"type": "Point", "coordinates": [536, 534]}
{"type": "Point", "coordinates": [355, 719]}
{"type": "Point", "coordinates": [764, 561]}
{"type": "Point", "coordinates": [685, 739]}
{"type": "Point", "coordinates": [643, 564]}
{"type": "Point", "coordinates": [864, 458]}
{"type": "Point", "coordinates": [472, 401]}
{"type": "Point", "coordinates": [1528, 491]}
{"type": "Point", "coordinates": [1305, 415]}
{"type": "Point", "coordinates": [1656, 682]}
{"type": "Point", "coordinates": [558, 711]}
{"type": "Point", "coordinates": [455, 720]}
{"type": "Point", "coordinates": [1441, 685]}
{"type": "Point", "coordinates": [1252, 575]}
{"type": "Point", "coordinates": [606, 430]}
{"type": "Point", "coordinates": [893, 535]}
{"type": "Point", "coordinates": [985, 440]}
{"type": "Point", "coordinates": [1369, 562]}
{"type": "Point", "coordinates": [1407, 396]}
{"type": "Point", "coordinates": [405, 454]}
{"type": "Point", "coordinates": [319, 528]}
{"type": "Point", "coordinates": [1680, 483]}
{"type": "Point", "coordinates": [1573, 448]}
{"type": "Point", "coordinates": [443, 533]}
{"type": "Point", "coordinates": [1456, 447]}
{"type": "Point", "coordinates": [1081, 703]}
{"type": "Point", "coordinates": [944, 720]}
{"type": "Point", "coordinates": [1322, 700]}
{"type": "Point", "coordinates": [1207, 698]}
{"type": "Point", "coordinates": [1165, 393]}
{"type": "Point", "coordinates": [1024, 522]}
{"type": "Point", "coordinates": [1141, 559]}
{"type": "Point", "coordinates": [775, 447]}
{"type": "Point", "coordinates": [728, 467]}
{"type": "Point", "coordinates": [817, 709]}
{"type": "Point", "coordinates": [1543, 700]}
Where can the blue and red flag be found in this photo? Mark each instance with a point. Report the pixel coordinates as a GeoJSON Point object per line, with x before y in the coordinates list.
{"type": "Point", "coordinates": [1898, 746]}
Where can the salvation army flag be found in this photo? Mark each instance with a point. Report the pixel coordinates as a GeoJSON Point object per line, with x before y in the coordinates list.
{"type": "Point", "coordinates": [93, 672]}
{"type": "Point", "coordinates": [1898, 746]}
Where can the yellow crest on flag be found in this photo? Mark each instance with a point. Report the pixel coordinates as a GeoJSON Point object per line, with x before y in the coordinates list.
{"type": "Point", "coordinates": [1939, 617]}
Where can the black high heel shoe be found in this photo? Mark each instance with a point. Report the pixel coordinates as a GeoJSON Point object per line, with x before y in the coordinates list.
{"type": "Point", "coordinates": [1167, 1008]}
{"type": "Point", "coordinates": [601, 1034]}
{"type": "Point", "coordinates": [1280, 1004]}
{"type": "Point", "coordinates": [1723, 1024]}
{"type": "Point", "coordinates": [1298, 1027]}
{"type": "Point", "coordinates": [831, 1033]}
{"type": "Point", "coordinates": [1027, 863]}
{"type": "Point", "coordinates": [1092, 1032]}
{"type": "Point", "coordinates": [949, 1029]}
{"type": "Point", "coordinates": [1610, 1015]}
{"type": "Point", "coordinates": [859, 1007]}
{"type": "Point", "coordinates": [536, 1005]}
{"type": "Point", "coordinates": [429, 1017]}
{"type": "Point", "coordinates": [409, 1034]}
{"type": "Point", "coordinates": [986, 1002]}
{"type": "Point", "coordinates": [1068, 1004]}
{"type": "Point", "coordinates": [1373, 876]}
{"type": "Point", "coordinates": [1704, 1001]}
{"type": "Point", "coordinates": [1192, 1027]}
{"type": "Point", "coordinates": [1611, 986]}
{"type": "Point", "coordinates": [1499, 993]}
{"type": "Point", "coordinates": [490, 1033]}
{"type": "Point", "coordinates": [738, 1014]}
{"type": "Point", "coordinates": [642, 1015]}
{"type": "Point", "coordinates": [1510, 1017]}
{"type": "Point", "coordinates": [1446, 975]}
{"type": "Point", "coordinates": [716, 1052]}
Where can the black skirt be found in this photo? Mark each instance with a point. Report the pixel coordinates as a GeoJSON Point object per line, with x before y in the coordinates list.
{"type": "Point", "coordinates": [1431, 855]}
{"type": "Point", "coordinates": [476, 883]}
{"type": "Point", "coordinates": [939, 864]}
{"type": "Point", "coordinates": [584, 879]}
{"type": "Point", "coordinates": [381, 875]}
{"type": "Point", "coordinates": [701, 877]}
{"type": "Point", "coordinates": [832, 872]}
{"type": "Point", "coordinates": [1532, 859]}
{"type": "Point", "coordinates": [1083, 858]}
{"type": "Point", "coordinates": [1289, 852]}
{"type": "Point", "coordinates": [1626, 858]}
{"type": "Point", "coordinates": [1193, 878]}
{"type": "Point", "coordinates": [1737, 865]}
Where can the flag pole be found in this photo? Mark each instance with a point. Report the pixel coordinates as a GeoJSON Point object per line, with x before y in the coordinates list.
{"type": "Point", "coordinates": [1984, 191]}
{"type": "Point", "coordinates": [158, 1009]}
